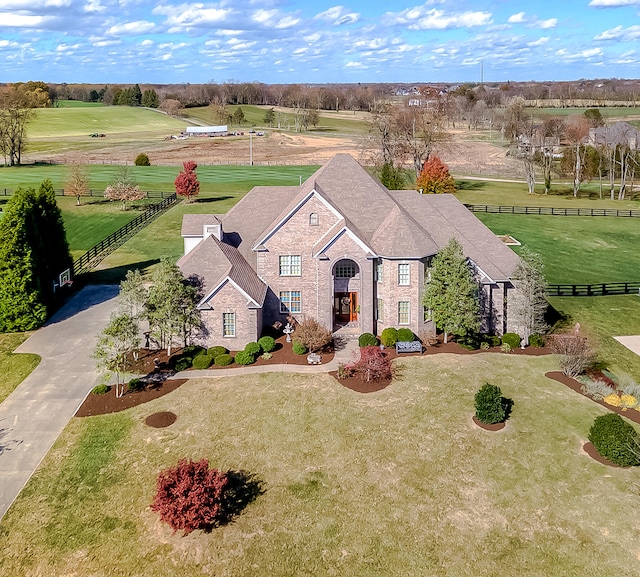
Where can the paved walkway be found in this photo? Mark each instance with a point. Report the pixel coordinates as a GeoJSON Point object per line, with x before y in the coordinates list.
{"type": "Point", "coordinates": [632, 342]}
{"type": "Point", "coordinates": [34, 415]}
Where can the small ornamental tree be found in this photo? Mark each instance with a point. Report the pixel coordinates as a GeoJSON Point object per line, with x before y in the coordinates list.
{"type": "Point", "coordinates": [489, 405]}
{"type": "Point", "coordinates": [373, 365]}
{"type": "Point", "coordinates": [575, 355]}
{"type": "Point", "coordinates": [124, 189]}
{"type": "Point", "coordinates": [77, 182]}
{"type": "Point", "coordinates": [435, 178]}
{"type": "Point", "coordinates": [530, 302]}
{"type": "Point", "coordinates": [186, 182]}
{"type": "Point", "coordinates": [190, 496]}
{"type": "Point", "coordinates": [312, 335]}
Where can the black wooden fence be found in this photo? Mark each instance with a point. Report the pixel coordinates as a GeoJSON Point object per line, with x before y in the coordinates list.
{"type": "Point", "coordinates": [553, 211]}
{"type": "Point", "coordinates": [598, 289]}
{"type": "Point", "coordinates": [92, 193]}
{"type": "Point", "coordinates": [96, 254]}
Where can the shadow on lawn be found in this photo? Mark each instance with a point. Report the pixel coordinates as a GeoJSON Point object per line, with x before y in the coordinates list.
{"type": "Point", "coordinates": [213, 199]}
{"type": "Point", "coordinates": [243, 489]}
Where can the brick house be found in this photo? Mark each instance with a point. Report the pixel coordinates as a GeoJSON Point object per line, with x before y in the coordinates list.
{"type": "Point", "coordinates": [340, 248]}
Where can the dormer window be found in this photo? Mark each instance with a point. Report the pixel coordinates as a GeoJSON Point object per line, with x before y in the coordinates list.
{"type": "Point", "coordinates": [313, 219]}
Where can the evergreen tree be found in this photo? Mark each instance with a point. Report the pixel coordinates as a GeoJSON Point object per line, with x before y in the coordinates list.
{"type": "Point", "coordinates": [150, 99]}
{"type": "Point", "coordinates": [392, 177]}
{"type": "Point", "coordinates": [451, 293]}
{"type": "Point", "coordinates": [136, 95]}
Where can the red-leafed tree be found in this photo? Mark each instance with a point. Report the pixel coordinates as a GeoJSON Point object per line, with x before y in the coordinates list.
{"type": "Point", "coordinates": [373, 365]}
{"type": "Point", "coordinates": [190, 496]}
{"type": "Point", "coordinates": [435, 178]}
{"type": "Point", "coordinates": [186, 182]}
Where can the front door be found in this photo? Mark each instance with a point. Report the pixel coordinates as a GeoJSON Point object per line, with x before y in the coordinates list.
{"type": "Point", "coordinates": [346, 307]}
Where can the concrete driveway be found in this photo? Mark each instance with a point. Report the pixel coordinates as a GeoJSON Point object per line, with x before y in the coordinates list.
{"type": "Point", "coordinates": [37, 411]}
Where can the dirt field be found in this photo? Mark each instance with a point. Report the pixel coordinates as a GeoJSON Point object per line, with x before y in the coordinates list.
{"type": "Point", "coordinates": [463, 155]}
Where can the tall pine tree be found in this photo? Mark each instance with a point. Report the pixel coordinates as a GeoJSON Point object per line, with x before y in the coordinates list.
{"type": "Point", "coordinates": [451, 293]}
{"type": "Point", "coordinates": [33, 251]}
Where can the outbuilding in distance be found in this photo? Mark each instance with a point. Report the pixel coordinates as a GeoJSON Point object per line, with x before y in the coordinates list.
{"type": "Point", "coordinates": [207, 130]}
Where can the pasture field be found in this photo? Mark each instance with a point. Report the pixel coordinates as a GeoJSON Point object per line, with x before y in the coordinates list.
{"type": "Point", "coordinates": [576, 249]}
{"type": "Point", "coordinates": [602, 318]}
{"type": "Point", "coordinates": [398, 482]}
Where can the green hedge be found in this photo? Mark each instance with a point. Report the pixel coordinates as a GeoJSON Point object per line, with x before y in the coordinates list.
{"type": "Point", "coordinates": [615, 440]}
{"type": "Point", "coordinates": [389, 337]}
{"type": "Point", "coordinates": [267, 344]}
{"type": "Point", "coordinates": [202, 361]}
{"type": "Point", "coordinates": [405, 335]}
{"type": "Point", "coordinates": [136, 385]}
{"type": "Point", "coordinates": [217, 351]}
{"type": "Point", "coordinates": [223, 360]}
{"type": "Point", "coordinates": [299, 349]}
{"type": "Point", "coordinates": [489, 405]}
{"type": "Point", "coordinates": [512, 339]}
{"type": "Point", "coordinates": [367, 340]}
{"type": "Point", "coordinates": [245, 358]}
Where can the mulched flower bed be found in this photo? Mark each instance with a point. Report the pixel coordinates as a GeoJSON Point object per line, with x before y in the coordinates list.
{"type": "Point", "coordinates": [161, 419]}
{"type": "Point", "coordinates": [590, 450]}
{"type": "Point", "coordinates": [109, 403]}
{"type": "Point", "coordinates": [487, 426]}
{"type": "Point", "coordinates": [630, 414]}
{"type": "Point", "coordinates": [359, 386]}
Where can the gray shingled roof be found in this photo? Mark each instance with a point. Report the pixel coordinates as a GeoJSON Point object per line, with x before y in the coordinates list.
{"type": "Point", "coordinates": [214, 261]}
{"type": "Point", "coordinates": [395, 224]}
{"type": "Point", "coordinates": [192, 224]}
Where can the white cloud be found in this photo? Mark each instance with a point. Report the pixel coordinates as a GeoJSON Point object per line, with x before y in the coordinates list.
{"type": "Point", "coordinates": [338, 15]}
{"type": "Point", "coordinates": [540, 41]}
{"type": "Point", "coordinates": [33, 6]}
{"type": "Point", "coordinates": [516, 18]}
{"type": "Point", "coordinates": [613, 3]}
{"type": "Point", "coordinates": [420, 19]}
{"type": "Point", "coordinates": [186, 16]}
{"type": "Point", "coordinates": [94, 6]}
{"type": "Point", "coordinates": [131, 28]}
{"type": "Point", "coordinates": [545, 24]}
{"type": "Point", "coordinates": [619, 33]}
{"type": "Point", "coordinates": [147, 42]}
{"type": "Point", "coordinates": [24, 21]}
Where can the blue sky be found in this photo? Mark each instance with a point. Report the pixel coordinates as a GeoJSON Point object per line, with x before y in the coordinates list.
{"type": "Point", "coordinates": [308, 41]}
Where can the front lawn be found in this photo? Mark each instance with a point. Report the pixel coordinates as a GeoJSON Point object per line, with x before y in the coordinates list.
{"type": "Point", "coordinates": [397, 482]}
{"type": "Point", "coordinates": [14, 368]}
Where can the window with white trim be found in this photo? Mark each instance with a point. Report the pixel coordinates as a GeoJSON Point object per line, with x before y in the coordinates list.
{"type": "Point", "coordinates": [380, 310]}
{"type": "Point", "coordinates": [228, 324]}
{"type": "Point", "coordinates": [313, 219]}
{"type": "Point", "coordinates": [290, 265]}
{"type": "Point", "coordinates": [404, 277]}
{"type": "Point", "coordinates": [290, 301]}
{"type": "Point", "coordinates": [404, 313]}
{"type": "Point", "coordinates": [379, 271]}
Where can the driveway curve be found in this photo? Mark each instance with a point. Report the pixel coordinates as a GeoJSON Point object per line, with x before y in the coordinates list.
{"type": "Point", "coordinates": [34, 415]}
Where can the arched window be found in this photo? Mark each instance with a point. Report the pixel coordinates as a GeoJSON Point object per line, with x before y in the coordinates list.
{"type": "Point", "coordinates": [345, 269]}
{"type": "Point", "coordinates": [313, 219]}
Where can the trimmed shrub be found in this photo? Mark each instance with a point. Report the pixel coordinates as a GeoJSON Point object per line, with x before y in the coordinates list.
{"type": "Point", "coordinates": [267, 344]}
{"type": "Point", "coordinates": [202, 361]}
{"type": "Point", "coordinates": [100, 389]}
{"type": "Point", "coordinates": [494, 340]}
{"type": "Point", "coordinates": [615, 439]}
{"type": "Point", "coordinates": [252, 348]}
{"type": "Point", "coordinates": [136, 385]}
{"type": "Point", "coordinates": [536, 340]}
{"type": "Point", "coordinates": [470, 341]}
{"type": "Point", "coordinates": [405, 335]}
{"type": "Point", "coordinates": [266, 356]}
{"type": "Point", "coordinates": [313, 335]}
{"type": "Point", "coordinates": [223, 360]}
{"type": "Point", "coordinates": [217, 351]}
{"type": "Point", "coordinates": [192, 351]}
{"type": "Point", "coordinates": [367, 340]}
{"type": "Point", "coordinates": [506, 348]}
{"type": "Point", "coordinates": [512, 339]}
{"type": "Point", "coordinates": [244, 358]}
{"type": "Point", "coordinates": [183, 363]}
{"type": "Point", "coordinates": [389, 337]}
{"type": "Point", "coordinates": [142, 160]}
{"type": "Point", "coordinates": [190, 496]}
{"type": "Point", "coordinates": [299, 348]}
{"type": "Point", "coordinates": [489, 405]}
{"type": "Point", "coordinates": [485, 346]}
{"type": "Point", "coordinates": [374, 365]}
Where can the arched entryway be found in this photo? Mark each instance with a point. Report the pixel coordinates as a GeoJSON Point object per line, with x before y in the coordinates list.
{"type": "Point", "coordinates": [346, 290]}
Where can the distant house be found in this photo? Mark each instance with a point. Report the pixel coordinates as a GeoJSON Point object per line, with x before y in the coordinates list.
{"type": "Point", "coordinates": [340, 248]}
{"type": "Point", "coordinates": [207, 130]}
{"type": "Point", "coordinates": [614, 134]}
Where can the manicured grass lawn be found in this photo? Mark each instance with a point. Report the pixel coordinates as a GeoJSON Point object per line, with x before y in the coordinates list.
{"type": "Point", "coordinates": [397, 482]}
{"type": "Point", "coordinates": [13, 368]}
{"type": "Point", "coordinates": [602, 318]}
{"type": "Point", "coordinates": [576, 249]}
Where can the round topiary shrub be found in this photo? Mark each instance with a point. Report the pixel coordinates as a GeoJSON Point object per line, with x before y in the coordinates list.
{"type": "Point", "coordinates": [615, 440]}
{"type": "Point", "coordinates": [489, 406]}
{"type": "Point", "coordinates": [367, 340]}
{"type": "Point", "coordinates": [100, 389]}
{"type": "Point", "coordinates": [267, 344]}
{"type": "Point", "coordinates": [512, 339]}
{"type": "Point", "coordinates": [136, 385]}
{"type": "Point", "coordinates": [202, 361]}
{"type": "Point", "coordinates": [299, 349]}
{"type": "Point", "coordinates": [214, 352]}
{"type": "Point", "coordinates": [536, 340]}
{"type": "Point", "coordinates": [223, 360]}
{"type": "Point", "coordinates": [192, 351]}
{"type": "Point", "coordinates": [244, 358]}
{"type": "Point", "coordinates": [252, 348]}
{"type": "Point", "coordinates": [389, 337]}
{"type": "Point", "coordinates": [405, 335]}
{"type": "Point", "coordinates": [183, 363]}
{"type": "Point", "coordinates": [142, 160]}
